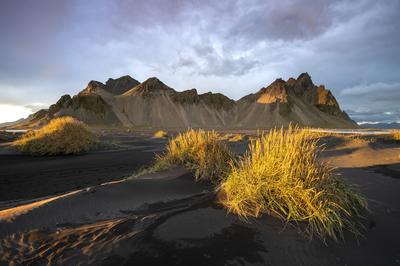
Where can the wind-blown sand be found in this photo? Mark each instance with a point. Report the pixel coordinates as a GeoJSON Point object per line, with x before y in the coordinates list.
{"type": "Point", "coordinates": [167, 219]}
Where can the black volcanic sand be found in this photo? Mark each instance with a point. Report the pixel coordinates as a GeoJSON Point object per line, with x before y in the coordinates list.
{"type": "Point", "coordinates": [167, 219]}
{"type": "Point", "coordinates": [26, 177]}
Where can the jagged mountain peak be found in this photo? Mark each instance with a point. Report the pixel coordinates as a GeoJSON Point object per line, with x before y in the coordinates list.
{"type": "Point", "coordinates": [278, 81]}
{"type": "Point", "coordinates": [154, 83]}
{"type": "Point", "coordinates": [121, 85]}
{"type": "Point", "coordinates": [276, 92]}
{"type": "Point", "coordinates": [150, 87]}
{"type": "Point", "coordinates": [94, 83]}
{"type": "Point", "coordinates": [304, 77]}
{"type": "Point", "coordinates": [122, 78]}
{"type": "Point", "coordinates": [291, 81]}
{"type": "Point", "coordinates": [114, 86]}
{"type": "Point", "coordinates": [287, 94]}
{"type": "Point", "coordinates": [217, 100]}
{"type": "Point", "coordinates": [279, 91]}
{"type": "Point", "coordinates": [92, 86]}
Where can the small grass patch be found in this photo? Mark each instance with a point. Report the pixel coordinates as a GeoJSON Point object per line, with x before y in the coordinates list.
{"type": "Point", "coordinates": [64, 135]}
{"type": "Point", "coordinates": [396, 136]}
{"type": "Point", "coordinates": [198, 150]}
{"type": "Point", "coordinates": [160, 134]}
{"type": "Point", "coordinates": [281, 176]}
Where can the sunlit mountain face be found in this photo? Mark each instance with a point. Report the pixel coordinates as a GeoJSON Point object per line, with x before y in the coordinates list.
{"type": "Point", "coordinates": [53, 48]}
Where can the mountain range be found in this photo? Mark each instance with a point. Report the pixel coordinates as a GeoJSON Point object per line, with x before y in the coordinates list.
{"type": "Point", "coordinates": [152, 104]}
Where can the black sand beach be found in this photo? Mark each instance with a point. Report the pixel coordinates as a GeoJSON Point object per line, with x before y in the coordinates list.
{"type": "Point", "coordinates": [167, 219]}
{"type": "Point", "coordinates": [26, 177]}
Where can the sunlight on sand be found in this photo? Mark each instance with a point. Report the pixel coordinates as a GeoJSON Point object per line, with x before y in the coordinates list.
{"type": "Point", "coordinates": [9, 214]}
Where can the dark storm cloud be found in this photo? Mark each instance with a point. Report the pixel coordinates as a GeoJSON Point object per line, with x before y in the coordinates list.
{"type": "Point", "coordinates": [53, 47]}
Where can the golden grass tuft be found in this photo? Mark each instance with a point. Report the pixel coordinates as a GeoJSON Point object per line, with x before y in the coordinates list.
{"type": "Point", "coordinates": [160, 134]}
{"type": "Point", "coordinates": [280, 175]}
{"type": "Point", "coordinates": [396, 135]}
{"type": "Point", "coordinates": [198, 150]}
{"type": "Point", "coordinates": [64, 135]}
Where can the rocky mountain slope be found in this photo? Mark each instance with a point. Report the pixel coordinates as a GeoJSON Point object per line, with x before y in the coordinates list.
{"type": "Point", "coordinates": [296, 101]}
{"type": "Point", "coordinates": [126, 102]}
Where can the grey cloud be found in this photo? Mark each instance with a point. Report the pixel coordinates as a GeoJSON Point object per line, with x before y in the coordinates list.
{"type": "Point", "coordinates": [376, 92]}
{"type": "Point", "coordinates": [287, 20]}
{"type": "Point", "coordinates": [373, 117]}
{"type": "Point", "coordinates": [207, 61]}
{"type": "Point", "coordinates": [290, 20]}
{"type": "Point", "coordinates": [372, 102]}
{"type": "Point", "coordinates": [220, 66]}
{"type": "Point", "coordinates": [36, 107]}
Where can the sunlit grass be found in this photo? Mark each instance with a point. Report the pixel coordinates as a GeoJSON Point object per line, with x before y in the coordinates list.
{"type": "Point", "coordinates": [396, 135]}
{"type": "Point", "coordinates": [160, 134]}
{"type": "Point", "coordinates": [281, 176]}
{"type": "Point", "coordinates": [199, 151]}
{"type": "Point", "coordinates": [64, 135]}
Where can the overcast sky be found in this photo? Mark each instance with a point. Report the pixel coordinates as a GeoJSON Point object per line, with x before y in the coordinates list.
{"type": "Point", "coordinates": [49, 48]}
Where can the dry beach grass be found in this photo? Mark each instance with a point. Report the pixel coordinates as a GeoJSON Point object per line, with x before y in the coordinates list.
{"type": "Point", "coordinates": [198, 150]}
{"type": "Point", "coordinates": [396, 135]}
{"type": "Point", "coordinates": [281, 175]}
{"type": "Point", "coordinates": [64, 135]}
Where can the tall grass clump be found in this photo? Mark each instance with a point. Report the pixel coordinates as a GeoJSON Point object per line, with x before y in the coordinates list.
{"type": "Point", "coordinates": [198, 150]}
{"type": "Point", "coordinates": [280, 175]}
{"type": "Point", "coordinates": [64, 135]}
